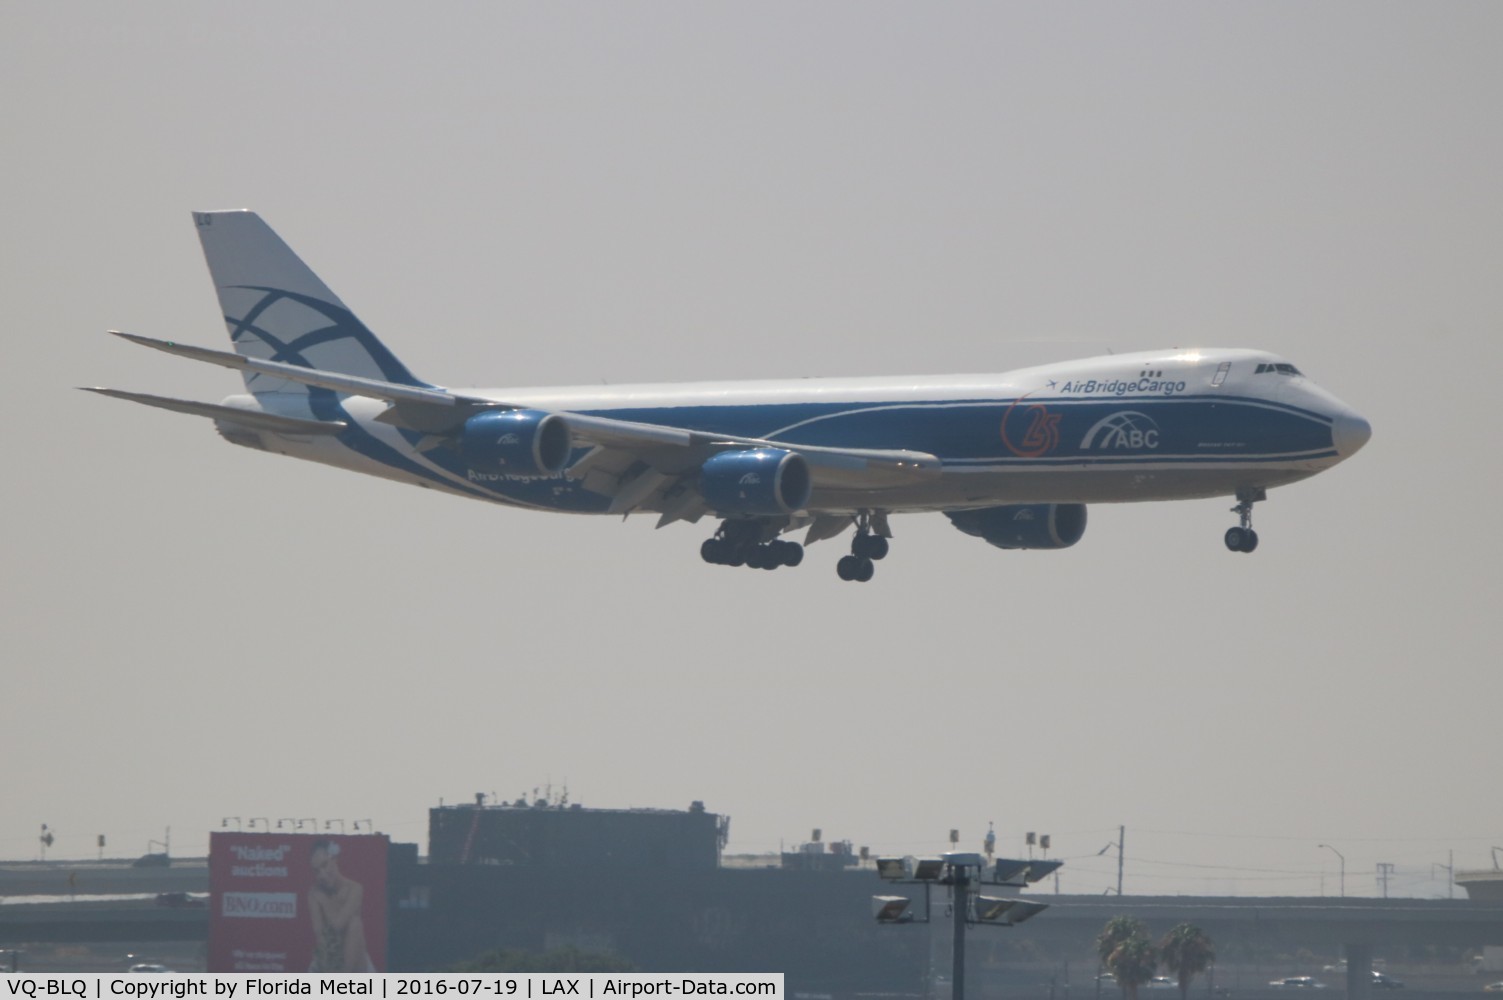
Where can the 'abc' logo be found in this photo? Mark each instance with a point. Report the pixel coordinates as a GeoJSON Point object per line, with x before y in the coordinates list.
{"type": "Point", "coordinates": [1126, 430]}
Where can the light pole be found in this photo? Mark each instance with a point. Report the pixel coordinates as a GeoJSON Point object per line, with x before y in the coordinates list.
{"type": "Point", "coordinates": [964, 874]}
{"type": "Point", "coordinates": [1343, 866]}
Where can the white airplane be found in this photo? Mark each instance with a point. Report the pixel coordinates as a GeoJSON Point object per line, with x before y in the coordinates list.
{"type": "Point", "coordinates": [1011, 458]}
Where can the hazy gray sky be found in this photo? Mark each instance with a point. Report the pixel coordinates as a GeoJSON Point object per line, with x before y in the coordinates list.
{"type": "Point", "coordinates": [557, 194]}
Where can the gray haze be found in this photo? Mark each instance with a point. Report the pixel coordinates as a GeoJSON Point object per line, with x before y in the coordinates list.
{"type": "Point", "coordinates": [557, 194]}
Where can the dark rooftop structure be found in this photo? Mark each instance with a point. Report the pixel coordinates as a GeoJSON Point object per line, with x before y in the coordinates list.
{"type": "Point", "coordinates": [544, 834]}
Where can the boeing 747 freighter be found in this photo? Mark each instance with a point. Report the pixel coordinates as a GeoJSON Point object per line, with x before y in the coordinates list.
{"type": "Point", "coordinates": [1012, 458]}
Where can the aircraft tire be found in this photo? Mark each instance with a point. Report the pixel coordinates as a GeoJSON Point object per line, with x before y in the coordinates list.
{"type": "Point", "coordinates": [1233, 539]}
{"type": "Point", "coordinates": [712, 551]}
{"type": "Point", "coordinates": [864, 571]}
{"type": "Point", "coordinates": [877, 547]}
{"type": "Point", "coordinates": [847, 567]}
{"type": "Point", "coordinates": [1249, 540]}
{"type": "Point", "coordinates": [789, 553]}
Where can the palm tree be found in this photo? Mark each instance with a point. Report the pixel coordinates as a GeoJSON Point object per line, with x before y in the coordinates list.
{"type": "Point", "coordinates": [1116, 931]}
{"type": "Point", "coordinates": [1127, 954]}
{"type": "Point", "coordinates": [1185, 951]}
{"type": "Point", "coordinates": [1133, 963]}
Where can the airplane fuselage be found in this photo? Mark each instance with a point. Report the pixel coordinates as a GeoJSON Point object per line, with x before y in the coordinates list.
{"type": "Point", "coordinates": [1158, 425]}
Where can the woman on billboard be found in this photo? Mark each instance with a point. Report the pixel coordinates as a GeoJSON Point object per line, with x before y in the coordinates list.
{"type": "Point", "coordinates": [334, 903]}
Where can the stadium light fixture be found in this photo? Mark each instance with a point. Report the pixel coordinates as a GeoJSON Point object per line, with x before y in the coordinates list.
{"type": "Point", "coordinates": [961, 871]}
{"type": "Point", "coordinates": [928, 869]}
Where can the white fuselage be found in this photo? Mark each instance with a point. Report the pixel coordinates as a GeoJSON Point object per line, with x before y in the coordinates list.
{"type": "Point", "coordinates": [1157, 425]}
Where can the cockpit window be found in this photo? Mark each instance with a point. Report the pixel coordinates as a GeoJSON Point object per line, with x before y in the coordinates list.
{"type": "Point", "coordinates": [1280, 368]}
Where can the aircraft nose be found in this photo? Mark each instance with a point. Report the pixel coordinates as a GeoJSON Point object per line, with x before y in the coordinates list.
{"type": "Point", "coordinates": [1349, 433]}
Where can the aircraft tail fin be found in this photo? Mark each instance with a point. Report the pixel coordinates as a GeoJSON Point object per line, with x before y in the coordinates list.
{"type": "Point", "coordinates": [277, 309]}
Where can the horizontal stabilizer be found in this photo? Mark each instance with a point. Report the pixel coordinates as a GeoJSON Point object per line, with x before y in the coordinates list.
{"type": "Point", "coordinates": [252, 419]}
{"type": "Point", "coordinates": [354, 385]}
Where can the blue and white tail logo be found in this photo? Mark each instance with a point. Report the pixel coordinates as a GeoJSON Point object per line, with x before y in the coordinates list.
{"type": "Point", "coordinates": [277, 309]}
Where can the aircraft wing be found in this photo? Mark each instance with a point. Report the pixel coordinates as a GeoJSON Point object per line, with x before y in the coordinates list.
{"type": "Point", "coordinates": [647, 465]}
{"type": "Point", "coordinates": [636, 464]}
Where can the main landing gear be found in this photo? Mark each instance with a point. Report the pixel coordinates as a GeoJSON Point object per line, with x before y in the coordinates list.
{"type": "Point", "coordinates": [1244, 538]}
{"type": "Point", "coordinates": [866, 548]}
{"type": "Point", "coordinates": [740, 543]}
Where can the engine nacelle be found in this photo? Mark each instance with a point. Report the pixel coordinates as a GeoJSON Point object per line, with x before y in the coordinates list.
{"type": "Point", "coordinates": [760, 481]}
{"type": "Point", "coordinates": [1024, 526]}
{"type": "Point", "coordinates": [516, 442]}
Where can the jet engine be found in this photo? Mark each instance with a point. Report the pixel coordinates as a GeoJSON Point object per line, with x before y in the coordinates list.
{"type": "Point", "coordinates": [1024, 526]}
{"type": "Point", "coordinates": [758, 481]}
{"type": "Point", "coordinates": [516, 442]}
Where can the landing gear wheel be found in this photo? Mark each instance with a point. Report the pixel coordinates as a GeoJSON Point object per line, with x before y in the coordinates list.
{"type": "Point", "coordinates": [750, 542]}
{"type": "Point", "coordinates": [855, 568]}
{"type": "Point", "coordinates": [1244, 538]}
{"type": "Point", "coordinates": [869, 544]}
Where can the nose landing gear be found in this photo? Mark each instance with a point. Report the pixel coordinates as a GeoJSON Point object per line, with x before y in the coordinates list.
{"type": "Point", "coordinates": [1244, 538]}
{"type": "Point", "coordinates": [869, 545]}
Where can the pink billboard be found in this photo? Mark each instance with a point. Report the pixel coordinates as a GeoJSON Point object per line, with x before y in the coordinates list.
{"type": "Point", "coordinates": [297, 903]}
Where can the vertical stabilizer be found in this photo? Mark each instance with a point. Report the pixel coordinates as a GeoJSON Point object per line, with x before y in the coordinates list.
{"type": "Point", "coordinates": [277, 309]}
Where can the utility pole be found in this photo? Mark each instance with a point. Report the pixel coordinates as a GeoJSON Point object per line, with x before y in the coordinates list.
{"type": "Point", "coordinates": [1343, 866]}
{"type": "Point", "coordinates": [1450, 869]}
{"type": "Point", "coordinates": [1121, 839]}
{"type": "Point", "coordinates": [1384, 871]}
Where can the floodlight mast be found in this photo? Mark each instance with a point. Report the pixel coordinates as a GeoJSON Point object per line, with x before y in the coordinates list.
{"type": "Point", "coordinates": [960, 884]}
{"type": "Point", "coordinates": [962, 871]}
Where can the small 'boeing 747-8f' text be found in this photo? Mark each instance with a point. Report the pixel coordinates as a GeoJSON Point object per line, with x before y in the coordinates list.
{"type": "Point", "coordinates": [1012, 458]}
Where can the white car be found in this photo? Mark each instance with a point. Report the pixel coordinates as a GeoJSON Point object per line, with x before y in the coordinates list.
{"type": "Point", "coordinates": [1298, 983]}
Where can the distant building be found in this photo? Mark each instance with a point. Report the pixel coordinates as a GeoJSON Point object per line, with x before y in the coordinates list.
{"type": "Point", "coordinates": [819, 856]}
{"type": "Point", "coordinates": [549, 835]}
